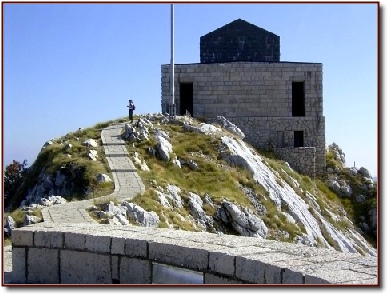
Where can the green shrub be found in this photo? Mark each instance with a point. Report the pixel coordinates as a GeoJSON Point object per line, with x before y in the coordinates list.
{"type": "Point", "coordinates": [326, 190]}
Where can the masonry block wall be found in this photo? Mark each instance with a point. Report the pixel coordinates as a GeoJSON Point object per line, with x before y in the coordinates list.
{"type": "Point", "coordinates": [259, 97]}
{"type": "Point", "coordinates": [108, 254]}
{"type": "Point", "coordinates": [239, 41]}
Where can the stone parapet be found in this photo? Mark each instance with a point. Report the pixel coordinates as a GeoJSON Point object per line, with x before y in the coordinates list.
{"type": "Point", "coordinates": [106, 254]}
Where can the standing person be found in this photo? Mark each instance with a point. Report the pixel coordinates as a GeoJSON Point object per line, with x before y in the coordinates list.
{"type": "Point", "coordinates": [131, 108]}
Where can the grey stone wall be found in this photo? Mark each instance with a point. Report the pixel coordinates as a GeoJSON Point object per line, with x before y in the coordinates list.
{"type": "Point", "coordinates": [239, 41]}
{"type": "Point", "coordinates": [257, 97]}
{"type": "Point", "coordinates": [127, 255]}
{"type": "Point", "coordinates": [303, 158]}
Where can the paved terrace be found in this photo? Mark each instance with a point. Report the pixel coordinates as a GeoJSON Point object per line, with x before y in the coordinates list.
{"type": "Point", "coordinates": [71, 248]}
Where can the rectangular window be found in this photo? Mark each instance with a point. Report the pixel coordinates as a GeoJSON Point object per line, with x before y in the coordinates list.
{"type": "Point", "coordinates": [298, 98]}
{"type": "Point", "coordinates": [298, 139]}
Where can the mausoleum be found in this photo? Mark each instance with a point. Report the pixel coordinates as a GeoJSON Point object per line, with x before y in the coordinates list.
{"type": "Point", "coordinates": [277, 104]}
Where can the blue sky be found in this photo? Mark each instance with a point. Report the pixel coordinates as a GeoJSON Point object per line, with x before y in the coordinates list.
{"type": "Point", "coordinates": [68, 66]}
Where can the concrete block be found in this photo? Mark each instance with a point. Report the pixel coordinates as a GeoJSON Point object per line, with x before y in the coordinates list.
{"type": "Point", "coordinates": [118, 245]}
{"type": "Point", "coordinates": [85, 268]}
{"type": "Point", "coordinates": [97, 243]}
{"type": "Point", "coordinates": [43, 266]}
{"type": "Point", "coordinates": [136, 248]}
{"type": "Point", "coordinates": [187, 256]}
{"type": "Point", "coordinates": [19, 265]}
{"type": "Point", "coordinates": [22, 237]}
{"type": "Point", "coordinates": [250, 270]}
{"type": "Point", "coordinates": [50, 239]}
{"type": "Point", "coordinates": [75, 241]}
{"type": "Point", "coordinates": [135, 271]}
{"type": "Point", "coordinates": [314, 280]}
{"type": "Point", "coordinates": [115, 265]}
{"type": "Point", "coordinates": [222, 263]}
{"type": "Point", "coordinates": [289, 276]}
{"type": "Point", "coordinates": [272, 274]}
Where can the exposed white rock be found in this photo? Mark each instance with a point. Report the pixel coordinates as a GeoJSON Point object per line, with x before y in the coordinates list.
{"type": "Point", "coordinates": [364, 172]}
{"type": "Point", "coordinates": [90, 143]}
{"type": "Point", "coordinates": [352, 171]}
{"type": "Point", "coordinates": [343, 243]}
{"type": "Point", "coordinates": [92, 155]}
{"type": "Point", "coordinates": [119, 220]}
{"type": "Point", "coordinates": [191, 163]}
{"type": "Point", "coordinates": [176, 161]}
{"type": "Point", "coordinates": [196, 209]}
{"type": "Point", "coordinates": [10, 224]}
{"type": "Point", "coordinates": [204, 128]}
{"type": "Point", "coordinates": [161, 133]}
{"type": "Point", "coordinates": [164, 148]}
{"type": "Point", "coordinates": [338, 153]}
{"type": "Point", "coordinates": [340, 186]}
{"type": "Point", "coordinates": [68, 146]}
{"type": "Point", "coordinates": [313, 202]}
{"type": "Point", "coordinates": [170, 197]}
{"type": "Point", "coordinates": [242, 221]}
{"type": "Point", "coordinates": [174, 194]}
{"type": "Point", "coordinates": [129, 132]}
{"type": "Point", "coordinates": [48, 143]}
{"type": "Point", "coordinates": [28, 220]}
{"type": "Point", "coordinates": [141, 163]}
{"type": "Point", "coordinates": [140, 215]}
{"type": "Point", "coordinates": [52, 200]}
{"type": "Point", "coordinates": [162, 199]}
{"type": "Point", "coordinates": [116, 210]}
{"type": "Point", "coordinates": [230, 127]}
{"type": "Point", "coordinates": [238, 153]}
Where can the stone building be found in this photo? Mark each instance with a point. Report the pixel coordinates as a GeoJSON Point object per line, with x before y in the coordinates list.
{"type": "Point", "coordinates": [278, 105]}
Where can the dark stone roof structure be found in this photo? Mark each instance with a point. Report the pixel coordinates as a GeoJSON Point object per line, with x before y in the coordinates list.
{"type": "Point", "coordinates": [239, 41]}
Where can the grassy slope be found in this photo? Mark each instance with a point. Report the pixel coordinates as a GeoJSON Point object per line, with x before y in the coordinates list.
{"type": "Point", "coordinates": [213, 177]}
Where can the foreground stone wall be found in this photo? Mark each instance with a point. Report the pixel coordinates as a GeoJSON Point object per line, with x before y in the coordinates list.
{"type": "Point", "coordinates": [106, 254]}
{"type": "Point", "coordinates": [257, 97]}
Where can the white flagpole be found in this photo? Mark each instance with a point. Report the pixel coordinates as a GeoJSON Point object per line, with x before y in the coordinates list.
{"type": "Point", "coordinates": [173, 109]}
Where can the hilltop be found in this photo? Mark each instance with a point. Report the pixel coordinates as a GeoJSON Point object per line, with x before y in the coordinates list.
{"type": "Point", "coordinates": [203, 177]}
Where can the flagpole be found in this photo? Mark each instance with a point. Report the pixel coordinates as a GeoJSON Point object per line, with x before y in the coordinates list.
{"type": "Point", "coordinates": [173, 108]}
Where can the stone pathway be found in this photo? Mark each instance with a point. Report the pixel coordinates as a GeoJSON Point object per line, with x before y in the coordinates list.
{"type": "Point", "coordinates": [127, 182]}
{"type": "Point", "coordinates": [127, 185]}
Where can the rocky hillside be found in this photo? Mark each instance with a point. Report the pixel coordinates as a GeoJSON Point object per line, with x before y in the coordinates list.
{"type": "Point", "coordinates": [204, 177]}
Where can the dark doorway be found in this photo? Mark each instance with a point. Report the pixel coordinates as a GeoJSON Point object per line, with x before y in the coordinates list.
{"type": "Point", "coordinates": [186, 98]}
{"type": "Point", "coordinates": [298, 139]}
{"type": "Point", "coordinates": [298, 99]}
